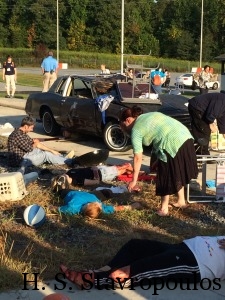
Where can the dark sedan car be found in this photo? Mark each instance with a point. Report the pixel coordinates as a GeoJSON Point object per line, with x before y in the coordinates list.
{"type": "Point", "coordinates": [71, 104]}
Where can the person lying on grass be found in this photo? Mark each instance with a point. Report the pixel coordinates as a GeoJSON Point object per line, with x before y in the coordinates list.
{"type": "Point", "coordinates": [90, 203]}
{"type": "Point", "coordinates": [149, 262]}
{"type": "Point", "coordinates": [90, 175]}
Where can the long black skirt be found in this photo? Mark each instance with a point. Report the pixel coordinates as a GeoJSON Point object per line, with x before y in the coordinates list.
{"type": "Point", "coordinates": [178, 171]}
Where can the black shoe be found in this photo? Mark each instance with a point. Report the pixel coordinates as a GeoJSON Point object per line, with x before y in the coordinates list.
{"type": "Point", "coordinates": [62, 183]}
{"type": "Point", "coordinates": [7, 96]}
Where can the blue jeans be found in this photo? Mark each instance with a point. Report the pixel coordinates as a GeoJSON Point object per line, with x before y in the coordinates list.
{"type": "Point", "coordinates": [157, 89]}
{"type": "Point", "coordinates": [37, 157]}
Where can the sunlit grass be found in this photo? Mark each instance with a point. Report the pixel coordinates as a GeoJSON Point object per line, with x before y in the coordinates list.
{"type": "Point", "coordinates": [29, 79]}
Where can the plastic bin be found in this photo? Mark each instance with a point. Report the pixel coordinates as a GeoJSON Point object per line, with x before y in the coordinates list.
{"type": "Point", "coordinates": [12, 186]}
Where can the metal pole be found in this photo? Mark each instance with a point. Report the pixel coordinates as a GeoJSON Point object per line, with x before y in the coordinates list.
{"type": "Point", "coordinates": [200, 64]}
{"type": "Point", "coordinates": [122, 35]}
{"type": "Point", "coordinates": [57, 29]}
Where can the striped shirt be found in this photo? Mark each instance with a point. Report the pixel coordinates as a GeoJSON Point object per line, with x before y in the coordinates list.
{"type": "Point", "coordinates": [162, 132]}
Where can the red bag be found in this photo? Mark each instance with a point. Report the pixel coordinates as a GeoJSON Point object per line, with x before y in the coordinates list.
{"type": "Point", "coordinates": [144, 177]}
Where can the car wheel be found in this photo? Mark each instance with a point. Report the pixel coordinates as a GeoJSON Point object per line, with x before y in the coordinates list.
{"type": "Point", "coordinates": [215, 86]}
{"type": "Point", "coordinates": [114, 137]}
{"type": "Point", "coordinates": [49, 124]}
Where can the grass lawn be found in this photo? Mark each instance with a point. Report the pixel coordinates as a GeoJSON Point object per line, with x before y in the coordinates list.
{"type": "Point", "coordinates": [85, 243]}
{"type": "Point", "coordinates": [29, 79]}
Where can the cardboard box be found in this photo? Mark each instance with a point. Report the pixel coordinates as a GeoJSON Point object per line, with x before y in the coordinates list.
{"type": "Point", "coordinates": [217, 141]}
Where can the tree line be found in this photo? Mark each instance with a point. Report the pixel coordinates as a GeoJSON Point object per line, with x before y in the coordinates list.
{"type": "Point", "coordinates": [165, 28]}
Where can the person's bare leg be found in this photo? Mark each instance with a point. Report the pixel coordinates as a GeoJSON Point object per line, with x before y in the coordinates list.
{"type": "Point", "coordinates": [180, 199]}
{"type": "Point", "coordinates": [91, 181]}
{"type": "Point", "coordinates": [121, 273]}
{"type": "Point", "coordinates": [164, 206]}
{"type": "Point", "coordinates": [69, 179]}
{"type": "Point", "coordinates": [77, 276]}
{"type": "Point", "coordinates": [127, 167]}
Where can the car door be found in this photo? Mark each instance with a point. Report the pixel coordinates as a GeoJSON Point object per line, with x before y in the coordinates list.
{"type": "Point", "coordinates": [78, 109]}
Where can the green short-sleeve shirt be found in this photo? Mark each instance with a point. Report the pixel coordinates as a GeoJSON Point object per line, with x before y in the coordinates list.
{"type": "Point", "coordinates": [163, 132]}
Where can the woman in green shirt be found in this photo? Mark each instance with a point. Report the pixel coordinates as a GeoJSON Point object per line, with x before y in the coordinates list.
{"type": "Point", "coordinates": [173, 146]}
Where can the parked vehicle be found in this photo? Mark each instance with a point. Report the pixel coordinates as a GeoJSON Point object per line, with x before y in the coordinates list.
{"type": "Point", "coordinates": [187, 79]}
{"type": "Point", "coordinates": [71, 104]}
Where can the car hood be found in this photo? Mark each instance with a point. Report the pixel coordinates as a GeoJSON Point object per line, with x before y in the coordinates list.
{"type": "Point", "coordinates": [173, 104]}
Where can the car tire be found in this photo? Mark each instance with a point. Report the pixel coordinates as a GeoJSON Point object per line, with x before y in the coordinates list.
{"type": "Point", "coordinates": [49, 124]}
{"type": "Point", "coordinates": [114, 138]}
{"type": "Point", "coordinates": [215, 86]}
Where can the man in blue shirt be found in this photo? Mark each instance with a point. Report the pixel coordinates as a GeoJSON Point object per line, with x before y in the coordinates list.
{"type": "Point", "coordinates": [49, 68]}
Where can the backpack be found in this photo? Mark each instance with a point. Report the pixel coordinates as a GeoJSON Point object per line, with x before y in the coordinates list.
{"type": "Point", "coordinates": [156, 80]}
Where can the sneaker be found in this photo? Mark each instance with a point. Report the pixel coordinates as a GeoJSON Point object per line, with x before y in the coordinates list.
{"type": "Point", "coordinates": [7, 96]}
{"type": "Point", "coordinates": [60, 183]}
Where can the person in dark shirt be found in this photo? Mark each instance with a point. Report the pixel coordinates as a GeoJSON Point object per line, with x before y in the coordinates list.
{"type": "Point", "coordinates": [207, 112]}
{"type": "Point", "coordinates": [89, 176]}
{"type": "Point", "coordinates": [9, 74]}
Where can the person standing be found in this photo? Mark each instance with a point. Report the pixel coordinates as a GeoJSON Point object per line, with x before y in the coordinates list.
{"type": "Point", "coordinates": [172, 144]}
{"type": "Point", "coordinates": [204, 110]}
{"type": "Point", "coordinates": [49, 68]}
{"type": "Point", "coordinates": [204, 77]}
{"type": "Point", "coordinates": [9, 74]}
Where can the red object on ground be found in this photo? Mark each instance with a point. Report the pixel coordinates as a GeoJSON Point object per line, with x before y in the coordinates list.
{"type": "Point", "coordinates": [56, 296]}
{"type": "Point", "coordinates": [144, 177]}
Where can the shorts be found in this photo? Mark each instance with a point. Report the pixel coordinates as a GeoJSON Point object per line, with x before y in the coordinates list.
{"type": "Point", "coordinates": [108, 173]}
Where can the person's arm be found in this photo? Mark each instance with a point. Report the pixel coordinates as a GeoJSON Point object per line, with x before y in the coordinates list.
{"type": "Point", "coordinates": [15, 75]}
{"type": "Point", "coordinates": [45, 148]}
{"type": "Point", "coordinates": [42, 68]}
{"type": "Point", "coordinates": [91, 181]}
{"type": "Point", "coordinates": [213, 127]}
{"type": "Point", "coordinates": [3, 73]}
{"type": "Point", "coordinates": [56, 67]}
{"type": "Point", "coordinates": [137, 167]}
{"type": "Point", "coordinates": [222, 243]}
{"type": "Point", "coordinates": [135, 205]}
